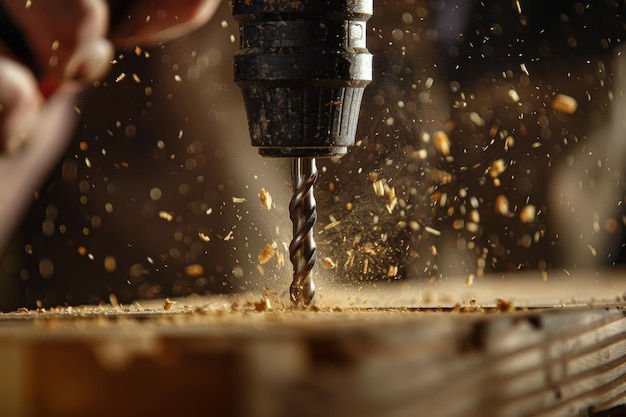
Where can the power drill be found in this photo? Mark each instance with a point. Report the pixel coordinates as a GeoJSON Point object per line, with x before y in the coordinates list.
{"type": "Point", "coordinates": [302, 67]}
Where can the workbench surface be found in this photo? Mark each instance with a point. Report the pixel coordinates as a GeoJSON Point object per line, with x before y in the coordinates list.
{"type": "Point", "coordinates": [386, 351]}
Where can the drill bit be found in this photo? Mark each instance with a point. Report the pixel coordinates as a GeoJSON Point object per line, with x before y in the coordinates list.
{"type": "Point", "coordinates": [303, 214]}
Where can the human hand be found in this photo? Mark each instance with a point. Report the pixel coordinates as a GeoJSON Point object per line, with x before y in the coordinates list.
{"type": "Point", "coordinates": [71, 44]}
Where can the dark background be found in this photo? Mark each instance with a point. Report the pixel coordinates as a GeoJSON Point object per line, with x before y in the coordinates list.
{"type": "Point", "coordinates": [97, 229]}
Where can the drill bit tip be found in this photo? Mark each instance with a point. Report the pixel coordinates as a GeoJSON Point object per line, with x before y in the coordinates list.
{"type": "Point", "coordinates": [302, 294]}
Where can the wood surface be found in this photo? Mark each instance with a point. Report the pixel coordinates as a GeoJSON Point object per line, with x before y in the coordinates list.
{"type": "Point", "coordinates": [373, 352]}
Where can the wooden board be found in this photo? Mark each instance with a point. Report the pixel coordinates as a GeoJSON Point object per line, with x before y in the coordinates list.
{"type": "Point", "coordinates": [251, 355]}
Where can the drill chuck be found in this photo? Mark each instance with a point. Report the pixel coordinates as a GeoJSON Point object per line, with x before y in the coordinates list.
{"type": "Point", "coordinates": [302, 68]}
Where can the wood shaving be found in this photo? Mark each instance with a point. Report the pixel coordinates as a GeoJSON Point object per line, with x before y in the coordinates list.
{"type": "Point", "coordinates": [379, 188]}
{"type": "Point", "coordinates": [280, 258]}
{"type": "Point", "coordinates": [264, 304]}
{"type": "Point", "coordinates": [393, 200]}
{"type": "Point", "coordinates": [368, 248]}
{"type": "Point", "coordinates": [432, 231]}
{"type": "Point", "coordinates": [266, 199]}
{"type": "Point", "coordinates": [496, 168]}
{"type": "Point", "coordinates": [528, 214]}
{"type": "Point", "coordinates": [474, 216]}
{"type": "Point", "coordinates": [166, 216]}
{"type": "Point", "coordinates": [328, 263]}
{"type": "Point", "coordinates": [350, 261]}
{"type": "Point", "coordinates": [113, 300]}
{"type": "Point", "coordinates": [332, 225]}
{"type": "Point", "coordinates": [168, 304]}
{"type": "Point", "coordinates": [266, 254]}
{"type": "Point", "coordinates": [440, 176]}
{"type": "Point", "coordinates": [564, 104]}
{"type": "Point", "coordinates": [194, 270]}
{"type": "Point", "coordinates": [501, 205]}
{"type": "Point", "coordinates": [420, 154]}
{"type": "Point", "coordinates": [505, 305]}
{"type": "Point", "coordinates": [442, 142]}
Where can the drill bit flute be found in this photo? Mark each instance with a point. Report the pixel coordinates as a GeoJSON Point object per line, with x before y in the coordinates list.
{"type": "Point", "coordinates": [302, 68]}
{"type": "Point", "coordinates": [303, 213]}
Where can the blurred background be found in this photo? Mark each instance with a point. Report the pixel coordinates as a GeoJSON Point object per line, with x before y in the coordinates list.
{"type": "Point", "coordinates": [491, 139]}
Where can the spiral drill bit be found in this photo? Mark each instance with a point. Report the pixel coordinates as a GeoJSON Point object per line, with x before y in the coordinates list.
{"type": "Point", "coordinates": [303, 214]}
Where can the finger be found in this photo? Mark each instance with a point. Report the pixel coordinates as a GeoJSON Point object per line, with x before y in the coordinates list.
{"type": "Point", "coordinates": [61, 33]}
{"type": "Point", "coordinates": [91, 60]}
{"type": "Point", "coordinates": [20, 102]}
{"type": "Point", "coordinates": [161, 20]}
{"type": "Point", "coordinates": [21, 174]}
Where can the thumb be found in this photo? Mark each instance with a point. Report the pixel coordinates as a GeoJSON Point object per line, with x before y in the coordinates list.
{"type": "Point", "coordinates": [20, 102]}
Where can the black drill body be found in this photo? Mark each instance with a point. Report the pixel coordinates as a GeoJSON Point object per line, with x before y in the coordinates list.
{"type": "Point", "coordinates": [302, 68]}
